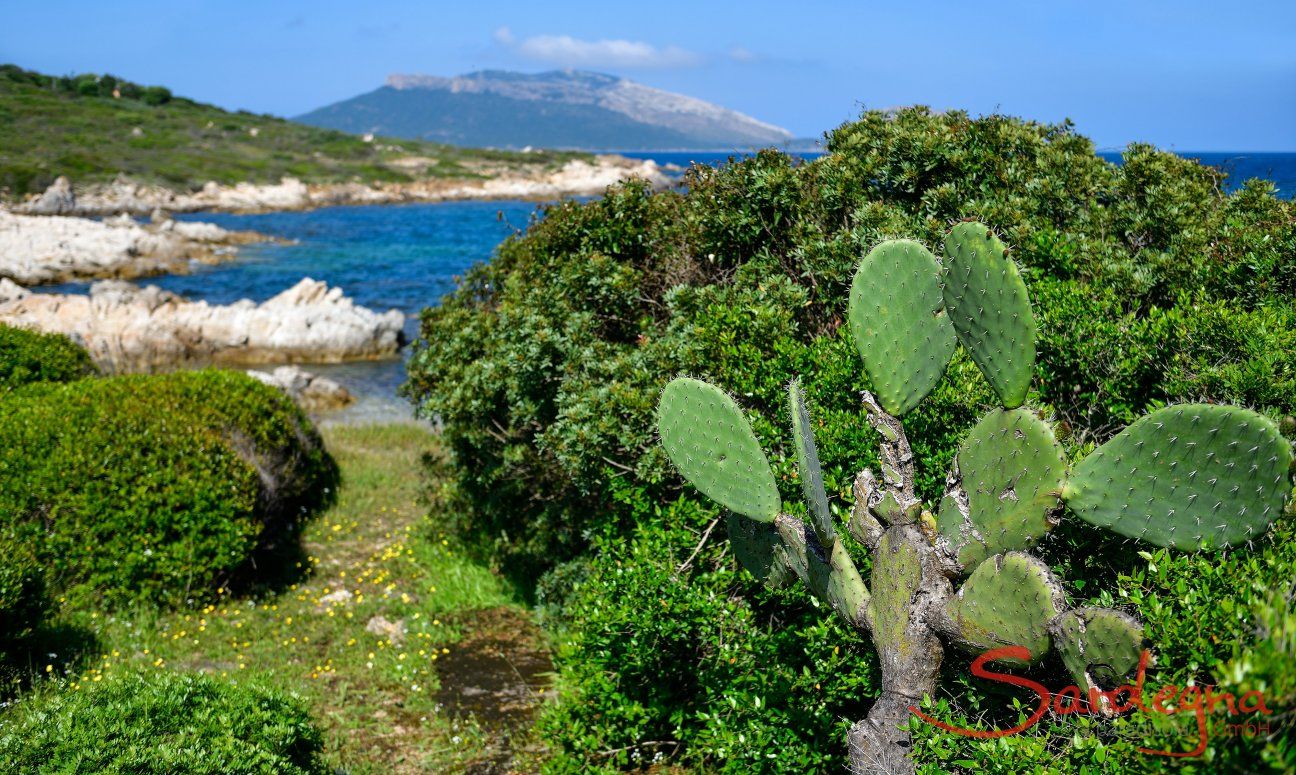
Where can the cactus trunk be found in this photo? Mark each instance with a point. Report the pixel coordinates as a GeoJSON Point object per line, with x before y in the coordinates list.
{"type": "Point", "coordinates": [906, 579]}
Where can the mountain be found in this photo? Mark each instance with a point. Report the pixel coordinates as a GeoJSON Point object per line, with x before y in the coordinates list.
{"type": "Point", "coordinates": [94, 127]}
{"type": "Point", "coordinates": [559, 109]}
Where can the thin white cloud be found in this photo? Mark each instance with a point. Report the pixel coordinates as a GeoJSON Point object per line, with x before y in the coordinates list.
{"type": "Point", "coordinates": [566, 51]}
{"type": "Point", "coordinates": [743, 55]}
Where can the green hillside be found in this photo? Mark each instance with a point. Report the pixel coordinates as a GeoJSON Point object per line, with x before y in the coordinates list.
{"type": "Point", "coordinates": [93, 127]}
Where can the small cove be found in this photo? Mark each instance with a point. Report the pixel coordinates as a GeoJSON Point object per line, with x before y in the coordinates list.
{"type": "Point", "coordinates": [382, 256]}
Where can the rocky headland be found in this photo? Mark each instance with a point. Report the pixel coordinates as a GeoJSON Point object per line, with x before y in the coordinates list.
{"type": "Point", "coordinates": [129, 328]}
{"type": "Point", "coordinates": [36, 249]}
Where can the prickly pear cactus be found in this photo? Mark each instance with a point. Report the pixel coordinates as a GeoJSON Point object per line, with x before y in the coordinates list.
{"type": "Point", "coordinates": [987, 304]}
{"type": "Point", "coordinates": [812, 486]}
{"type": "Point", "coordinates": [1001, 495]}
{"type": "Point", "coordinates": [760, 550]}
{"type": "Point", "coordinates": [1099, 646]}
{"type": "Point", "coordinates": [712, 444]}
{"type": "Point", "coordinates": [898, 322]}
{"type": "Point", "coordinates": [1191, 476]}
{"type": "Point", "coordinates": [1008, 600]}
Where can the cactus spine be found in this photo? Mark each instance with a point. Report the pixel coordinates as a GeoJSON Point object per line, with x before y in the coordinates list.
{"type": "Point", "coordinates": [1190, 477]}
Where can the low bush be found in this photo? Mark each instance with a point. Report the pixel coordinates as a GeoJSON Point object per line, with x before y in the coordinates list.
{"type": "Point", "coordinates": [1151, 286]}
{"type": "Point", "coordinates": [23, 603]}
{"type": "Point", "coordinates": [544, 366]}
{"type": "Point", "coordinates": [161, 722]}
{"type": "Point", "coordinates": [660, 663]}
{"type": "Point", "coordinates": [28, 356]}
{"type": "Point", "coordinates": [157, 488]}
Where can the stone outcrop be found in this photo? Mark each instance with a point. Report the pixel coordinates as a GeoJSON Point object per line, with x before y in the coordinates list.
{"type": "Point", "coordinates": [312, 392]}
{"type": "Point", "coordinates": [58, 199]}
{"type": "Point", "coordinates": [129, 328]}
{"type": "Point", "coordinates": [576, 178]}
{"type": "Point", "coordinates": [42, 249]}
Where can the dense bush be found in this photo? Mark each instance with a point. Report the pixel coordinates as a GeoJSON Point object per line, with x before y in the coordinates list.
{"type": "Point", "coordinates": [28, 356]}
{"type": "Point", "coordinates": [23, 602]}
{"type": "Point", "coordinates": [161, 722]}
{"type": "Point", "coordinates": [156, 487]}
{"type": "Point", "coordinates": [1150, 286]}
{"type": "Point", "coordinates": [88, 85]}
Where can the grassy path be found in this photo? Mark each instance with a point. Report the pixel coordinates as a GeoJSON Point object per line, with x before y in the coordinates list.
{"type": "Point", "coordinates": [412, 658]}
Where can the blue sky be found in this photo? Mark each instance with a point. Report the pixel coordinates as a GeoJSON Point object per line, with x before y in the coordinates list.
{"type": "Point", "coordinates": [1191, 75]}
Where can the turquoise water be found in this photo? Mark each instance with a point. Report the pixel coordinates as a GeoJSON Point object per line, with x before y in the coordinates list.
{"type": "Point", "coordinates": [408, 257]}
{"type": "Point", "coordinates": [401, 256]}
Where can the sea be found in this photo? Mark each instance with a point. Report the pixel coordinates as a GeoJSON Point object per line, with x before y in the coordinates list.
{"type": "Point", "coordinates": [408, 256]}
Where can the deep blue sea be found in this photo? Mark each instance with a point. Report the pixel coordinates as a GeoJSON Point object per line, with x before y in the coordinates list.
{"type": "Point", "coordinates": [407, 257]}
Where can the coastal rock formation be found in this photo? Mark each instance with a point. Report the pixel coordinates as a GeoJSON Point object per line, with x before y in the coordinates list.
{"type": "Point", "coordinates": [576, 178]}
{"type": "Point", "coordinates": [128, 328]}
{"type": "Point", "coordinates": [58, 199]}
{"type": "Point", "coordinates": [312, 392]}
{"type": "Point", "coordinates": [48, 249]}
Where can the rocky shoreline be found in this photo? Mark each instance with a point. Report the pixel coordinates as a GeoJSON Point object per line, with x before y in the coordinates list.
{"type": "Point", "coordinates": [55, 238]}
{"type": "Point", "coordinates": [128, 328]}
{"type": "Point", "coordinates": [123, 196]}
{"type": "Point", "coordinates": [36, 250]}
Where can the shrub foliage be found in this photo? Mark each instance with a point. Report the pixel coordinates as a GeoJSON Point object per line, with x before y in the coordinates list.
{"type": "Point", "coordinates": [1150, 285]}
{"type": "Point", "coordinates": [156, 487]}
{"type": "Point", "coordinates": [28, 356]}
{"type": "Point", "coordinates": [162, 722]}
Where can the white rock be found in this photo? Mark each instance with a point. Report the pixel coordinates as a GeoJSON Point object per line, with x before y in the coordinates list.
{"type": "Point", "coordinates": [576, 178]}
{"type": "Point", "coordinates": [392, 631]}
{"type": "Point", "coordinates": [43, 249]}
{"type": "Point", "coordinates": [128, 328]}
{"type": "Point", "coordinates": [58, 199]}
{"type": "Point", "coordinates": [312, 392]}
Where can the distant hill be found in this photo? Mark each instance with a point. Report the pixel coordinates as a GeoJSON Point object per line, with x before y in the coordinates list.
{"type": "Point", "coordinates": [558, 109]}
{"type": "Point", "coordinates": [92, 128]}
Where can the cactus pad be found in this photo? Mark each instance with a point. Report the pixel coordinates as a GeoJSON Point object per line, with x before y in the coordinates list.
{"type": "Point", "coordinates": [711, 443]}
{"type": "Point", "coordinates": [1099, 646]}
{"type": "Point", "coordinates": [1189, 476]}
{"type": "Point", "coordinates": [987, 304]}
{"type": "Point", "coordinates": [812, 485]}
{"type": "Point", "coordinates": [898, 323]}
{"type": "Point", "coordinates": [1010, 473]}
{"type": "Point", "coordinates": [760, 550]}
{"type": "Point", "coordinates": [1008, 600]}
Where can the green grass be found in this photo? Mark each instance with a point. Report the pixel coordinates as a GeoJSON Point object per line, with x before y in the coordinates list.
{"type": "Point", "coordinates": [49, 127]}
{"type": "Point", "coordinates": [374, 697]}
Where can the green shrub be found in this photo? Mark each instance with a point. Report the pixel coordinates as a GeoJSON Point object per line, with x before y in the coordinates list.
{"type": "Point", "coordinates": [23, 603]}
{"type": "Point", "coordinates": [659, 663]}
{"type": "Point", "coordinates": [161, 722]}
{"type": "Point", "coordinates": [28, 356]}
{"type": "Point", "coordinates": [157, 488]}
{"type": "Point", "coordinates": [545, 367]}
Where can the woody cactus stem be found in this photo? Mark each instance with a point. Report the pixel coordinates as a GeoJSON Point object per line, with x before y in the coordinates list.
{"type": "Point", "coordinates": [910, 591]}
